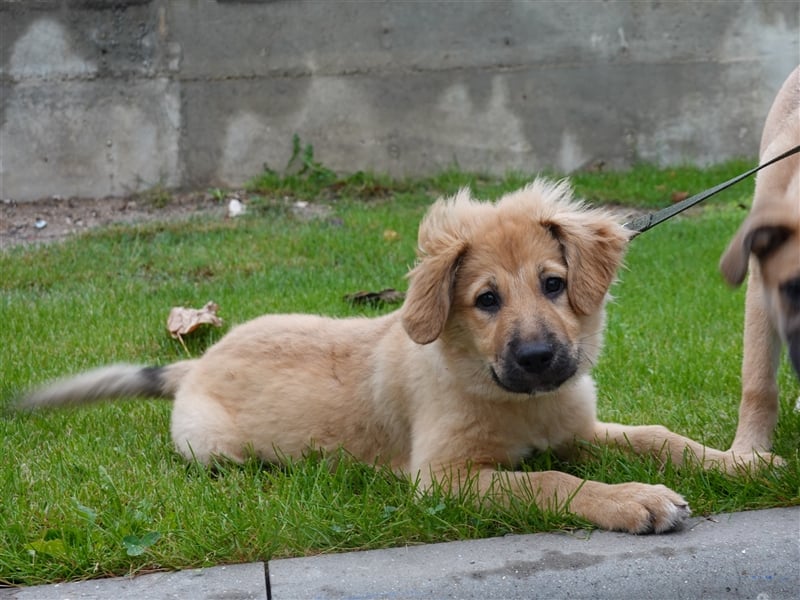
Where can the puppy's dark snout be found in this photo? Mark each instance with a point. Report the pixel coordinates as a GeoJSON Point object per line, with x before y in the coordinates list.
{"type": "Point", "coordinates": [791, 290]}
{"type": "Point", "coordinates": [534, 356]}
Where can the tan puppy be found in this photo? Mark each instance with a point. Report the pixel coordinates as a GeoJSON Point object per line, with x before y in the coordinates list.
{"type": "Point", "coordinates": [769, 239]}
{"type": "Point", "coordinates": [488, 358]}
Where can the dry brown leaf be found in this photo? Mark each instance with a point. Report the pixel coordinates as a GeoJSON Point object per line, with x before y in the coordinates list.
{"type": "Point", "coordinates": [387, 296]}
{"type": "Point", "coordinates": [679, 196]}
{"type": "Point", "coordinates": [183, 320]}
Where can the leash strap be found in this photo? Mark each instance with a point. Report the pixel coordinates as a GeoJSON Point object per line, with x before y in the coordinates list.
{"type": "Point", "coordinates": [645, 222]}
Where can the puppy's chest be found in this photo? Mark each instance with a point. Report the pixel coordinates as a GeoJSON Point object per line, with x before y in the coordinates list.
{"type": "Point", "coordinates": [526, 450]}
{"type": "Point", "coordinates": [538, 430]}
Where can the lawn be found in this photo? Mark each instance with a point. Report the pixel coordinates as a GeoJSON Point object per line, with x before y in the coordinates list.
{"type": "Point", "coordinates": [99, 491]}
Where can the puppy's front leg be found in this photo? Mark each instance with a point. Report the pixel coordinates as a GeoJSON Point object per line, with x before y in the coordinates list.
{"type": "Point", "coordinates": [662, 443]}
{"type": "Point", "coordinates": [628, 507]}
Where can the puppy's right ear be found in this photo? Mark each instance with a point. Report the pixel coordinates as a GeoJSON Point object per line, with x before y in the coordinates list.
{"type": "Point", "coordinates": [430, 292]}
{"type": "Point", "coordinates": [442, 243]}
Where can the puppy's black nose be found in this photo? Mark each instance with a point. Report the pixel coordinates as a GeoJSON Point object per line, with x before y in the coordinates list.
{"type": "Point", "coordinates": [791, 291]}
{"type": "Point", "coordinates": [534, 357]}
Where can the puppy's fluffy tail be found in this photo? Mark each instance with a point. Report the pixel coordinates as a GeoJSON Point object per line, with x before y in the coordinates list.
{"type": "Point", "coordinates": [114, 382]}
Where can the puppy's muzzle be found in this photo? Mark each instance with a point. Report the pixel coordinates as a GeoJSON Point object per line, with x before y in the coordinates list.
{"type": "Point", "coordinates": [528, 367]}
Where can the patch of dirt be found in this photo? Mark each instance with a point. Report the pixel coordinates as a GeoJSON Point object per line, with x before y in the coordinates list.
{"type": "Point", "coordinates": [54, 219]}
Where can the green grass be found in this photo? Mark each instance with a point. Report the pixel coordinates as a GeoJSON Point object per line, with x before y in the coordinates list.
{"type": "Point", "coordinates": [99, 491]}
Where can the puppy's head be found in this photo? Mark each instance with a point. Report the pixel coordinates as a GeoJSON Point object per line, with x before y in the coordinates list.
{"type": "Point", "coordinates": [770, 238]}
{"type": "Point", "coordinates": [514, 291]}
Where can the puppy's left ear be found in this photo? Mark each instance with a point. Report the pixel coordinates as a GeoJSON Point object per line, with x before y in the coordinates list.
{"type": "Point", "coordinates": [429, 295]}
{"type": "Point", "coordinates": [594, 245]}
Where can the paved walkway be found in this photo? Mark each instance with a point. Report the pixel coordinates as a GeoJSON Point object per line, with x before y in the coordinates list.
{"type": "Point", "coordinates": [741, 555]}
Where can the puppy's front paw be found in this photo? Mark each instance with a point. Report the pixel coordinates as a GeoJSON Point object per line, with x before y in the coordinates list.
{"type": "Point", "coordinates": [652, 508]}
{"type": "Point", "coordinates": [635, 508]}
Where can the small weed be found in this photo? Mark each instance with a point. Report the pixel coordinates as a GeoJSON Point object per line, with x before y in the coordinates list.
{"type": "Point", "coordinates": [157, 196]}
{"type": "Point", "coordinates": [302, 163]}
{"type": "Point", "coordinates": [217, 194]}
{"type": "Point", "coordinates": [303, 177]}
{"type": "Point", "coordinates": [136, 546]}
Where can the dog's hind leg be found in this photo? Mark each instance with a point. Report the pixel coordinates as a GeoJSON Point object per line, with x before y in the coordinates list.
{"type": "Point", "coordinates": [203, 431]}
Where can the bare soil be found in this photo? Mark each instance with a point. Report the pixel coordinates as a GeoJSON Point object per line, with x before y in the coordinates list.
{"type": "Point", "coordinates": [54, 219]}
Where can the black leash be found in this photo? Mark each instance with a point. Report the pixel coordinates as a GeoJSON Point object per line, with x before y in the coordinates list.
{"type": "Point", "coordinates": [645, 222]}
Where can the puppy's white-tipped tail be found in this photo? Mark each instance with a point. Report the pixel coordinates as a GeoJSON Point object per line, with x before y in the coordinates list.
{"type": "Point", "coordinates": [114, 382]}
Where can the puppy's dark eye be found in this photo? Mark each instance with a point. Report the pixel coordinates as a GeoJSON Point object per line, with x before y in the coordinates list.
{"type": "Point", "coordinates": [553, 286]}
{"type": "Point", "coordinates": [488, 301]}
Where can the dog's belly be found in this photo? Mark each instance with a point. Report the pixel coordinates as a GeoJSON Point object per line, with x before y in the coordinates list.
{"type": "Point", "coordinates": [281, 385]}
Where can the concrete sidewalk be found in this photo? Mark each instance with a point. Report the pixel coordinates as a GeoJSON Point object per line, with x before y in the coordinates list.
{"type": "Point", "coordinates": [741, 555]}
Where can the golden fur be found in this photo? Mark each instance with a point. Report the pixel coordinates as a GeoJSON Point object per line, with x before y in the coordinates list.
{"type": "Point", "coordinates": [769, 240]}
{"type": "Point", "coordinates": [488, 358]}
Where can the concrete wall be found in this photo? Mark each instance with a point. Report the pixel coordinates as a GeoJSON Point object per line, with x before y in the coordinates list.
{"type": "Point", "coordinates": [108, 97]}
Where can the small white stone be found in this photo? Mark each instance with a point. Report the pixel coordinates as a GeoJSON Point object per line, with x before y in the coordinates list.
{"type": "Point", "coordinates": [235, 208]}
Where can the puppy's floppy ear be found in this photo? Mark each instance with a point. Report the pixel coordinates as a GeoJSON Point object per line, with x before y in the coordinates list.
{"type": "Point", "coordinates": [429, 295]}
{"type": "Point", "coordinates": [758, 238]}
{"type": "Point", "coordinates": [441, 246]}
{"type": "Point", "coordinates": [593, 244]}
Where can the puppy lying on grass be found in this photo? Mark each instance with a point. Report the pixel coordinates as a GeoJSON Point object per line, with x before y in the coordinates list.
{"type": "Point", "coordinates": [488, 358]}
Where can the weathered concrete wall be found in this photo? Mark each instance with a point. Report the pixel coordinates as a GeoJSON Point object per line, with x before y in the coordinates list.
{"type": "Point", "coordinates": [107, 97]}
